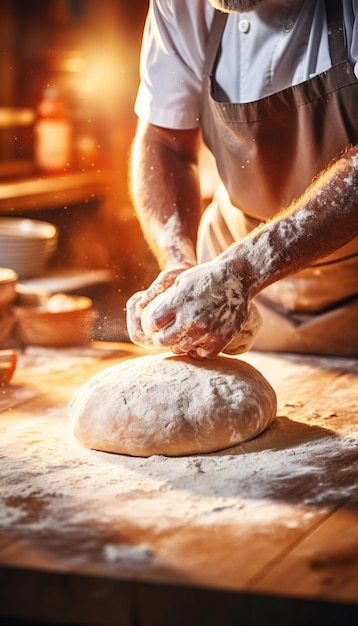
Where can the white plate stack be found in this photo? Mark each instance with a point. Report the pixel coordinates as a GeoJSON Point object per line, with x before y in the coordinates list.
{"type": "Point", "coordinates": [8, 282]}
{"type": "Point", "coordinates": [26, 245]}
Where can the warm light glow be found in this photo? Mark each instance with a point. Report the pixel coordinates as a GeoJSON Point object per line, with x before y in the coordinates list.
{"type": "Point", "coordinates": [100, 76]}
{"type": "Point", "coordinates": [10, 117]}
{"type": "Point", "coordinates": [74, 64]}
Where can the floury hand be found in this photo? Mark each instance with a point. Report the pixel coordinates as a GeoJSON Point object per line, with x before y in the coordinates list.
{"type": "Point", "coordinates": [140, 300]}
{"type": "Point", "coordinates": [201, 313]}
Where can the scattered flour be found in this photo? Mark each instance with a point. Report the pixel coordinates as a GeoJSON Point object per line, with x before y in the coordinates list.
{"type": "Point", "coordinates": [120, 511]}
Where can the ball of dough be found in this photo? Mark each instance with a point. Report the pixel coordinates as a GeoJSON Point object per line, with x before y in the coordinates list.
{"type": "Point", "coordinates": [172, 405]}
{"type": "Point", "coordinates": [243, 341]}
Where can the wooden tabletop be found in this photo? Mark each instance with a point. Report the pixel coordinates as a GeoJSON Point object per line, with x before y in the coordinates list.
{"type": "Point", "coordinates": [266, 532]}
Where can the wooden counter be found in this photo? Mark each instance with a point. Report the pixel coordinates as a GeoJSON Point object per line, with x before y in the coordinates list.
{"type": "Point", "coordinates": [263, 533]}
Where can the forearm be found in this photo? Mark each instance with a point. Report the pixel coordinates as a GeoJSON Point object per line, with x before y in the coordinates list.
{"type": "Point", "coordinates": [321, 221]}
{"type": "Point", "coordinates": [166, 192]}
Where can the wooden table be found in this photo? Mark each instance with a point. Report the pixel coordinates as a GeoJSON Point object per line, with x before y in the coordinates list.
{"type": "Point", "coordinates": [263, 533]}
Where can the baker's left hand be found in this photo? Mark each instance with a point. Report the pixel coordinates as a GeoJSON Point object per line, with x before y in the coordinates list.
{"type": "Point", "coordinates": [200, 314]}
{"type": "Point", "coordinates": [141, 299]}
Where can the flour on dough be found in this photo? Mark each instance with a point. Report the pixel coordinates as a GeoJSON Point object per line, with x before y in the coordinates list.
{"type": "Point", "coordinates": [243, 341]}
{"type": "Point", "coordinates": [172, 405]}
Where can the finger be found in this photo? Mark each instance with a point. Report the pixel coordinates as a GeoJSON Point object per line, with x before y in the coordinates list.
{"type": "Point", "coordinates": [198, 355]}
{"type": "Point", "coordinates": [193, 341]}
{"type": "Point", "coordinates": [152, 292]}
{"type": "Point", "coordinates": [133, 304]}
{"type": "Point", "coordinates": [163, 338]}
{"type": "Point", "coordinates": [203, 351]}
{"type": "Point", "coordinates": [200, 345]}
{"type": "Point", "coordinates": [163, 281]}
{"type": "Point", "coordinates": [135, 331]}
{"type": "Point", "coordinates": [151, 314]}
{"type": "Point", "coordinates": [192, 353]}
{"type": "Point", "coordinates": [136, 334]}
{"type": "Point", "coordinates": [131, 312]}
{"type": "Point", "coordinates": [176, 350]}
{"type": "Point", "coordinates": [161, 319]}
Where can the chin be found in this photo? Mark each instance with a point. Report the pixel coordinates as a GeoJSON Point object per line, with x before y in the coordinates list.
{"type": "Point", "coordinates": [236, 6]}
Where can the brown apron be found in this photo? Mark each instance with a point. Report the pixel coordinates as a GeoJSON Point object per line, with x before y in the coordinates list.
{"type": "Point", "coordinates": [267, 153]}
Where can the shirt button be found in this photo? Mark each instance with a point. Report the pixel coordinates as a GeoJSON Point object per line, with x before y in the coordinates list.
{"type": "Point", "coordinates": [288, 25]}
{"type": "Point", "coordinates": [244, 26]}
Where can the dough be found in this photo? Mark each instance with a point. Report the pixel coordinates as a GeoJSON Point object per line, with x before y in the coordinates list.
{"type": "Point", "coordinates": [172, 405]}
{"type": "Point", "coordinates": [243, 341]}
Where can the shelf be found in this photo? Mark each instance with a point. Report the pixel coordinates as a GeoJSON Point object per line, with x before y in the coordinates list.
{"type": "Point", "coordinates": [65, 280]}
{"type": "Point", "coordinates": [11, 117]}
{"type": "Point", "coordinates": [33, 192]}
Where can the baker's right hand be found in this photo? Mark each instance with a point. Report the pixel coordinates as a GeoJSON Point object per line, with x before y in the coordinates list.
{"type": "Point", "coordinates": [139, 300]}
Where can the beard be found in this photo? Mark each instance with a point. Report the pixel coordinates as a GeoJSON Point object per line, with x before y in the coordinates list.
{"type": "Point", "coordinates": [236, 6]}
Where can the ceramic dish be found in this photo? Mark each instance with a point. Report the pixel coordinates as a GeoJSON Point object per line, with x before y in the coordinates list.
{"type": "Point", "coordinates": [26, 245]}
{"type": "Point", "coordinates": [60, 320]}
{"type": "Point", "coordinates": [8, 280]}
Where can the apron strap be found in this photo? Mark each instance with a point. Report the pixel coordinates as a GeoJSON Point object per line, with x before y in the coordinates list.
{"type": "Point", "coordinates": [335, 27]}
{"type": "Point", "coordinates": [336, 32]}
{"type": "Point", "coordinates": [214, 42]}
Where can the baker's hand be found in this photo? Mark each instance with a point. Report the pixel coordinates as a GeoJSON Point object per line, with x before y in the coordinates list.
{"type": "Point", "coordinates": [138, 301]}
{"type": "Point", "coordinates": [201, 313]}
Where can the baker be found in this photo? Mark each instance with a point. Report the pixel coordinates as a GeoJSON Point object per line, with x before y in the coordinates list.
{"type": "Point", "coordinates": [271, 87]}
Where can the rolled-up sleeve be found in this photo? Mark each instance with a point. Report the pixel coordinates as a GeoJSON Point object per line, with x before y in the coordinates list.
{"type": "Point", "coordinates": [171, 63]}
{"type": "Point", "coordinates": [173, 51]}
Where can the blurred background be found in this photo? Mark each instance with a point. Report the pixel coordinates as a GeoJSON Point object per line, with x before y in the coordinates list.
{"type": "Point", "coordinates": [69, 72]}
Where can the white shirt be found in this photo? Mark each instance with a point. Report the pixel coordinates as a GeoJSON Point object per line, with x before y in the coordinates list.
{"type": "Point", "coordinates": [282, 43]}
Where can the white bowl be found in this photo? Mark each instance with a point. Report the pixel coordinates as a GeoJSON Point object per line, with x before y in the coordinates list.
{"type": "Point", "coordinates": [26, 245]}
{"type": "Point", "coordinates": [15, 227]}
